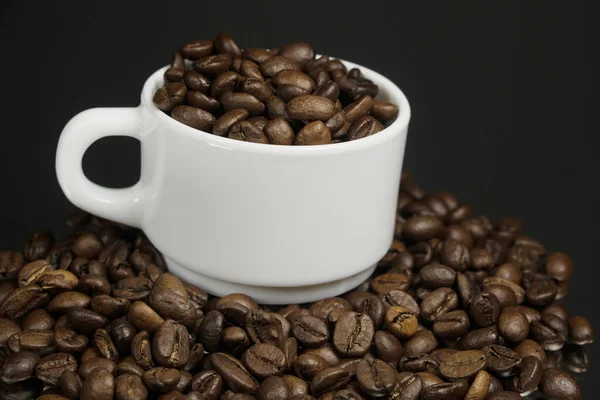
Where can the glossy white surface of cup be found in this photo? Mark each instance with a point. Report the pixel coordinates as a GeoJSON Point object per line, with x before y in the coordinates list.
{"type": "Point", "coordinates": [284, 224]}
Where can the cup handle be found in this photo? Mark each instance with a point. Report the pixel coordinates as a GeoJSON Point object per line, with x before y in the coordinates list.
{"type": "Point", "coordinates": [120, 205]}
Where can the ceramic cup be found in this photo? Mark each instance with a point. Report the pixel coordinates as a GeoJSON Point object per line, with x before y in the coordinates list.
{"type": "Point", "coordinates": [283, 224]}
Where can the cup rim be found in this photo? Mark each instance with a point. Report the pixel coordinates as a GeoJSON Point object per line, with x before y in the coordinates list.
{"type": "Point", "coordinates": [397, 127]}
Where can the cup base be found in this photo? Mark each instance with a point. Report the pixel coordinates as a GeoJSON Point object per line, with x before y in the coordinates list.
{"type": "Point", "coordinates": [269, 294]}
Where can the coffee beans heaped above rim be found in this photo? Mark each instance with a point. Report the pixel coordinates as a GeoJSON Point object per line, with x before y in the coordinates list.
{"type": "Point", "coordinates": [458, 308]}
{"type": "Point", "coordinates": [282, 96]}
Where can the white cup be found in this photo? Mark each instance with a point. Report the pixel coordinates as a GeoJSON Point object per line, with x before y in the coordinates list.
{"type": "Point", "coordinates": [283, 224]}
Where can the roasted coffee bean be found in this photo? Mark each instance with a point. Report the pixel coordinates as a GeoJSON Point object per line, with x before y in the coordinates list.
{"type": "Point", "coordinates": [259, 55]}
{"type": "Point", "coordinates": [437, 303]}
{"type": "Point", "coordinates": [9, 328]}
{"type": "Point", "coordinates": [203, 102]}
{"type": "Point", "coordinates": [123, 333]}
{"type": "Point", "coordinates": [161, 379]}
{"type": "Point", "coordinates": [556, 384]}
{"type": "Point", "coordinates": [384, 111]}
{"type": "Point", "coordinates": [85, 320]}
{"type": "Point", "coordinates": [363, 127]}
{"type": "Point", "coordinates": [513, 325]}
{"type": "Point", "coordinates": [375, 377]}
{"type": "Point", "coordinates": [170, 305]}
{"type": "Point", "coordinates": [263, 327]}
{"type": "Point", "coordinates": [70, 384]}
{"type": "Point", "coordinates": [50, 368]}
{"type": "Point", "coordinates": [276, 108]}
{"type": "Point", "coordinates": [299, 52]}
{"type": "Point", "coordinates": [227, 120]}
{"type": "Point", "coordinates": [528, 376]}
{"type": "Point", "coordinates": [18, 367]}
{"type": "Point", "coordinates": [290, 349]}
{"type": "Point", "coordinates": [480, 387]}
{"type": "Point", "coordinates": [484, 310]}
{"type": "Point", "coordinates": [109, 306]}
{"type": "Point", "coordinates": [314, 133]}
{"type": "Point", "coordinates": [235, 375]}
{"type": "Point", "coordinates": [422, 228]}
{"type": "Point", "coordinates": [277, 63]}
{"type": "Point", "coordinates": [529, 347]}
{"type": "Point", "coordinates": [308, 366]}
{"type": "Point", "coordinates": [11, 263]}
{"type": "Point", "coordinates": [279, 131]}
{"type": "Point", "coordinates": [129, 366]}
{"type": "Point", "coordinates": [105, 345]}
{"type": "Point", "coordinates": [436, 275]}
{"type": "Point", "coordinates": [38, 246]}
{"type": "Point", "coordinates": [541, 292]}
{"type": "Point", "coordinates": [451, 325]}
{"type": "Point", "coordinates": [69, 341]}
{"type": "Point", "coordinates": [448, 391]}
{"type": "Point", "coordinates": [234, 340]}
{"type": "Point", "coordinates": [99, 385]}
{"type": "Point", "coordinates": [311, 108]}
{"type": "Point", "coordinates": [556, 309]}
{"type": "Point", "coordinates": [408, 386]}
{"type": "Point", "coordinates": [390, 281]}
{"type": "Point", "coordinates": [143, 317]}
{"type": "Point", "coordinates": [479, 338]}
{"type": "Point", "coordinates": [374, 308]}
{"type": "Point", "coordinates": [401, 322]}
{"type": "Point", "coordinates": [550, 332]}
{"type": "Point", "coordinates": [194, 117]}
{"type": "Point", "coordinates": [195, 81]}
{"type": "Point", "coordinates": [264, 360]}
{"type": "Point", "coordinates": [196, 49]}
{"type": "Point", "coordinates": [463, 364]}
{"type": "Point", "coordinates": [310, 331]}
{"type": "Point", "coordinates": [501, 360]}
{"type": "Point", "coordinates": [329, 379]}
{"type": "Point", "coordinates": [92, 285]}
{"type": "Point", "coordinates": [132, 289]}
{"type": "Point", "coordinates": [506, 297]}
{"type": "Point", "coordinates": [208, 383]}
{"type": "Point", "coordinates": [247, 132]}
{"type": "Point", "coordinates": [353, 334]}
{"type": "Point", "coordinates": [358, 109]}
{"type": "Point", "coordinates": [421, 253]}
{"type": "Point", "coordinates": [171, 96]}
{"type": "Point", "coordinates": [400, 298]}
{"type": "Point", "coordinates": [130, 387]}
{"type": "Point", "coordinates": [170, 345]}
{"type": "Point", "coordinates": [213, 65]}
{"type": "Point", "coordinates": [503, 395]}
{"type": "Point", "coordinates": [580, 330]}
{"type": "Point", "coordinates": [38, 341]}
{"type": "Point", "coordinates": [423, 342]}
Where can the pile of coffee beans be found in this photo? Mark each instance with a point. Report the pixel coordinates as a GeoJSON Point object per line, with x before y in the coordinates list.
{"type": "Point", "coordinates": [282, 96]}
{"type": "Point", "coordinates": [459, 308]}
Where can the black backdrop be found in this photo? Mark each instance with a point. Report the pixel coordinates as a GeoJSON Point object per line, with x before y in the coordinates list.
{"type": "Point", "coordinates": [499, 90]}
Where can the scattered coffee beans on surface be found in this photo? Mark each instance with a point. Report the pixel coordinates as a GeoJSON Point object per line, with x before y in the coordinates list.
{"type": "Point", "coordinates": [459, 308]}
{"type": "Point", "coordinates": [282, 96]}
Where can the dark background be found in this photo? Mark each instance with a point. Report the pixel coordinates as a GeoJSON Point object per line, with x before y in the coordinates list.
{"type": "Point", "coordinates": [499, 90]}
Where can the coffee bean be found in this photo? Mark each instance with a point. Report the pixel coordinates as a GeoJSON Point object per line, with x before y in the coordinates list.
{"type": "Point", "coordinates": [278, 131]}
{"type": "Point", "coordinates": [31, 272]}
{"type": "Point", "coordinates": [264, 360]}
{"type": "Point", "coordinates": [67, 340]}
{"type": "Point", "coordinates": [580, 330]}
{"type": "Point", "coordinates": [311, 108]}
{"type": "Point", "coordinates": [161, 379]}
{"type": "Point", "coordinates": [299, 52]}
{"type": "Point", "coordinates": [38, 341]}
{"type": "Point", "coordinates": [9, 328]}
{"type": "Point", "coordinates": [408, 386]}
{"type": "Point", "coordinates": [329, 379]}
{"type": "Point", "coordinates": [556, 384]}
{"type": "Point", "coordinates": [307, 366]}
{"type": "Point", "coordinates": [38, 246]}
{"type": "Point", "coordinates": [480, 387]}
{"type": "Point", "coordinates": [314, 133]}
{"type": "Point", "coordinates": [449, 391]}
{"type": "Point", "coordinates": [420, 228]}
{"type": "Point", "coordinates": [70, 384]}
{"type": "Point", "coordinates": [194, 117]}
{"type": "Point", "coordinates": [550, 332]}
{"type": "Point", "coordinates": [263, 327]}
{"type": "Point", "coordinates": [375, 377]}
{"type": "Point", "coordinates": [208, 383]}
{"type": "Point", "coordinates": [259, 55]}
{"type": "Point", "coordinates": [128, 366]}
{"type": "Point", "coordinates": [170, 345]}
{"type": "Point", "coordinates": [437, 303]}
{"type": "Point", "coordinates": [436, 275]}
{"type": "Point", "coordinates": [423, 342]}
{"type": "Point", "coordinates": [506, 297]}
{"type": "Point", "coordinates": [195, 81]}
{"type": "Point", "coordinates": [503, 395]}
{"type": "Point", "coordinates": [171, 96]}
{"type": "Point", "coordinates": [247, 132]}
{"type": "Point", "coordinates": [130, 387]}
{"type": "Point", "coordinates": [50, 368]}
{"type": "Point", "coordinates": [143, 317]}
{"type": "Point", "coordinates": [484, 310]}
{"type": "Point", "coordinates": [225, 44]}
{"type": "Point", "coordinates": [203, 102]}
{"type": "Point", "coordinates": [513, 325]}
{"type": "Point", "coordinates": [400, 298]}
{"type": "Point", "coordinates": [277, 63]}
{"type": "Point", "coordinates": [353, 334]}
{"type": "Point", "coordinates": [110, 306]}
{"type": "Point", "coordinates": [358, 109]}
{"type": "Point", "coordinates": [18, 367]}
{"type": "Point", "coordinates": [92, 285]}
{"type": "Point", "coordinates": [234, 373]}
{"type": "Point", "coordinates": [518, 291]}
{"type": "Point", "coordinates": [479, 338]}
{"type": "Point", "coordinates": [510, 272]}
{"type": "Point", "coordinates": [463, 364]}
{"type": "Point", "coordinates": [197, 49]}
{"type": "Point", "coordinates": [452, 325]}
{"type": "Point", "coordinates": [213, 65]}
{"type": "Point", "coordinates": [384, 111]}
{"type": "Point", "coordinates": [310, 331]}
{"type": "Point", "coordinates": [363, 127]}
{"type": "Point", "coordinates": [559, 266]}
{"type": "Point", "coordinates": [104, 343]}
{"type": "Point", "coordinates": [401, 322]}
{"type": "Point", "coordinates": [501, 360]}
{"type": "Point", "coordinates": [98, 386]}
{"type": "Point", "coordinates": [528, 376]}
{"type": "Point", "coordinates": [10, 264]}
{"type": "Point", "coordinates": [390, 281]}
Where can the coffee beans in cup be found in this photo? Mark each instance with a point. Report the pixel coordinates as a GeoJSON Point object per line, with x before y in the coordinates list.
{"type": "Point", "coordinates": [284, 96]}
{"type": "Point", "coordinates": [460, 307]}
